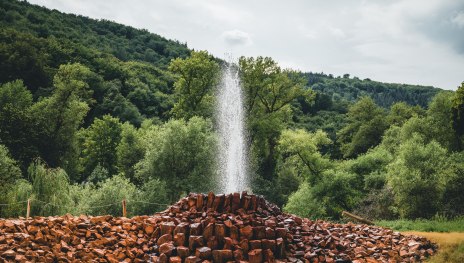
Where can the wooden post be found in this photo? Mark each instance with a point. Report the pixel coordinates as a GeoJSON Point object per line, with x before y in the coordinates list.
{"type": "Point", "coordinates": [358, 218]}
{"type": "Point", "coordinates": [28, 213]}
{"type": "Point", "coordinates": [124, 211]}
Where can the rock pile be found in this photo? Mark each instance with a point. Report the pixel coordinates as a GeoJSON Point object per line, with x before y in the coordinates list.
{"type": "Point", "coordinates": [205, 228]}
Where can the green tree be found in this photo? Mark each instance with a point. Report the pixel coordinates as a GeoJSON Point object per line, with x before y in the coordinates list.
{"type": "Point", "coordinates": [59, 116]}
{"type": "Point", "coordinates": [99, 144]}
{"type": "Point", "coordinates": [400, 112]}
{"type": "Point", "coordinates": [366, 125]}
{"type": "Point", "coordinates": [16, 131]}
{"type": "Point", "coordinates": [453, 199]}
{"type": "Point", "coordinates": [9, 174]}
{"type": "Point", "coordinates": [193, 90]}
{"type": "Point", "coordinates": [129, 151]}
{"type": "Point", "coordinates": [437, 126]}
{"type": "Point", "coordinates": [301, 149]}
{"type": "Point", "coordinates": [440, 121]}
{"type": "Point", "coordinates": [269, 91]}
{"type": "Point", "coordinates": [418, 176]}
{"type": "Point", "coordinates": [181, 153]}
{"type": "Point", "coordinates": [458, 112]}
{"type": "Point", "coordinates": [50, 190]}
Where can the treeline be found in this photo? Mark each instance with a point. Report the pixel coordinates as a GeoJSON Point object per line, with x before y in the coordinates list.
{"type": "Point", "coordinates": [123, 42]}
{"type": "Point", "coordinates": [344, 88]}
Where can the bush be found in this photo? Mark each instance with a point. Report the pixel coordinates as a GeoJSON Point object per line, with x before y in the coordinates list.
{"type": "Point", "coordinates": [152, 198]}
{"type": "Point", "coordinates": [15, 197]}
{"type": "Point", "coordinates": [107, 198]}
{"type": "Point", "coordinates": [50, 190]}
{"type": "Point", "coordinates": [377, 204]}
{"type": "Point", "coordinates": [328, 198]}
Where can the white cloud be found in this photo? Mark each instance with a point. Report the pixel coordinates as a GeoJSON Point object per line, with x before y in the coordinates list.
{"type": "Point", "coordinates": [458, 19]}
{"type": "Point", "coordinates": [236, 38]}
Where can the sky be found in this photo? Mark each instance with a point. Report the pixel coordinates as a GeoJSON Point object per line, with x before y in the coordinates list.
{"type": "Point", "coordinates": [399, 41]}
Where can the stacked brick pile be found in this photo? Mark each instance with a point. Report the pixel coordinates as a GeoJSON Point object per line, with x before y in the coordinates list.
{"type": "Point", "coordinates": [205, 228]}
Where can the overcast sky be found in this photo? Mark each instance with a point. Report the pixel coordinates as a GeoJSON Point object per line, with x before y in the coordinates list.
{"type": "Point", "coordinates": [410, 41]}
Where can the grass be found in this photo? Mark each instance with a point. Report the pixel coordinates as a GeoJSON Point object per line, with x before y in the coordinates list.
{"type": "Point", "coordinates": [437, 225]}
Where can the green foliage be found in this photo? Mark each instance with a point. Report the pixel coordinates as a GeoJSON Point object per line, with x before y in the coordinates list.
{"type": "Point", "coordinates": [269, 92]}
{"type": "Point", "coordinates": [417, 177]}
{"type": "Point", "coordinates": [9, 170]}
{"type": "Point", "coordinates": [458, 110]}
{"type": "Point", "coordinates": [98, 174]}
{"type": "Point", "coordinates": [152, 198]}
{"type": "Point", "coordinates": [440, 121]}
{"type": "Point", "coordinates": [107, 198]}
{"type": "Point", "coordinates": [15, 197]}
{"type": "Point", "coordinates": [9, 173]}
{"type": "Point", "coordinates": [431, 225]}
{"type": "Point", "coordinates": [384, 94]}
{"type": "Point", "coordinates": [300, 149]}
{"type": "Point", "coordinates": [328, 198]}
{"type": "Point", "coordinates": [99, 144]}
{"type": "Point", "coordinates": [59, 116]}
{"type": "Point", "coordinates": [366, 125]}
{"type": "Point", "coordinates": [16, 131]}
{"type": "Point", "coordinates": [124, 42]}
{"type": "Point", "coordinates": [453, 199]}
{"type": "Point", "coordinates": [197, 76]}
{"type": "Point", "coordinates": [130, 151]}
{"type": "Point", "coordinates": [51, 187]}
{"type": "Point", "coordinates": [400, 112]}
{"type": "Point", "coordinates": [182, 153]}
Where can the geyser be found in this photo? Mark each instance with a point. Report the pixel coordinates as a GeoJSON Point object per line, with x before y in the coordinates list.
{"type": "Point", "coordinates": [231, 126]}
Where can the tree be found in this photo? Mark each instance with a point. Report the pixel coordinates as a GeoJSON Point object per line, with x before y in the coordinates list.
{"type": "Point", "coordinates": [115, 104]}
{"type": "Point", "coordinates": [16, 131]}
{"type": "Point", "coordinates": [269, 90]}
{"type": "Point", "coordinates": [437, 125]}
{"type": "Point", "coordinates": [50, 189]}
{"type": "Point", "coordinates": [9, 174]}
{"type": "Point", "coordinates": [129, 151]}
{"type": "Point", "coordinates": [400, 112]}
{"type": "Point", "coordinates": [59, 116]}
{"type": "Point", "coordinates": [366, 125]}
{"type": "Point", "coordinates": [458, 112]}
{"type": "Point", "coordinates": [99, 144]}
{"type": "Point", "coordinates": [193, 90]}
{"type": "Point", "coordinates": [181, 153]}
{"type": "Point", "coordinates": [301, 149]}
{"type": "Point", "coordinates": [418, 176]}
{"type": "Point", "coordinates": [439, 121]}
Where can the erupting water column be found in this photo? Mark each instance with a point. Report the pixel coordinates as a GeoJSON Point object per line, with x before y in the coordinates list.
{"type": "Point", "coordinates": [231, 125]}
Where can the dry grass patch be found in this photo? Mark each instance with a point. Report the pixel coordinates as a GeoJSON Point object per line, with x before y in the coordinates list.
{"type": "Point", "coordinates": [451, 246]}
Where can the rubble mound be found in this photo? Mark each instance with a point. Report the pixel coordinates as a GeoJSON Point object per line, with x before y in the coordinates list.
{"type": "Point", "coordinates": [205, 228]}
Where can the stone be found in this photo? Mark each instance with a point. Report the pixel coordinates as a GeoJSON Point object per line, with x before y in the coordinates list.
{"type": "Point", "coordinates": [203, 253]}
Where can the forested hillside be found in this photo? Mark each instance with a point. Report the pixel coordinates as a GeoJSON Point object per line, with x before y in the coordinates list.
{"type": "Point", "coordinates": [93, 112]}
